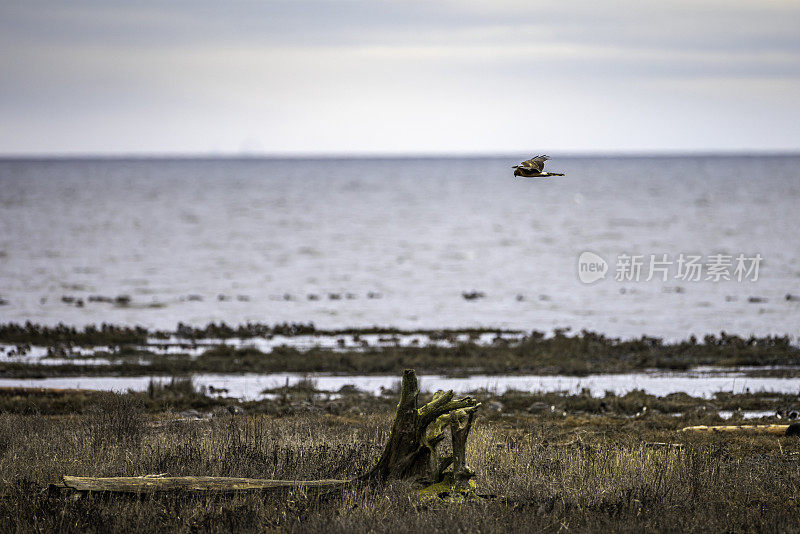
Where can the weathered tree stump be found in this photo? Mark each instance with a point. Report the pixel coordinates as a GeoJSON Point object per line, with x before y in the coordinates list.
{"type": "Point", "coordinates": [410, 453]}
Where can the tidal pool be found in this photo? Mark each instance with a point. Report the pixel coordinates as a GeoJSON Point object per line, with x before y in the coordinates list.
{"type": "Point", "coordinates": [703, 383]}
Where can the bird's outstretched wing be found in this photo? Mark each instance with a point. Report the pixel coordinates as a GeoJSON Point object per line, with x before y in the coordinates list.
{"type": "Point", "coordinates": [535, 163]}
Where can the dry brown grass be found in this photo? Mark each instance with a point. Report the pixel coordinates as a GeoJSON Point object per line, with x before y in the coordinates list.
{"type": "Point", "coordinates": [578, 473]}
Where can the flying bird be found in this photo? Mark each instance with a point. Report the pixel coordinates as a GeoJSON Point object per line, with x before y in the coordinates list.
{"type": "Point", "coordinates": [534, 168]}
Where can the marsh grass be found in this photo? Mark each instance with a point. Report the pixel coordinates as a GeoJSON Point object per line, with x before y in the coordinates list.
{"type": "Point", "coordinates": [579, 354]}
{"type": "Point", "coordinates": [179, 394]}
{"type": "Point", "coordinates": [108, 334]}
{"type": "Point", "coordinates": [116, 419]}
{"type": "Point", "coordinates": [576, 473]}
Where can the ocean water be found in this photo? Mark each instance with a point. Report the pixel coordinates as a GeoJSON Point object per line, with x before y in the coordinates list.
{"type": "Point", "coordinates": [361, 242]}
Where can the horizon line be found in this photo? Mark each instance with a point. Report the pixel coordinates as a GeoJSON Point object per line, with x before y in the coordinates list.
{"type": "Point", "coordinates": [41, 156]}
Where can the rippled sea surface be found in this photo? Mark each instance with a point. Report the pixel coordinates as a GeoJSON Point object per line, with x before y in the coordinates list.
{"type": "Point", "coordinates": [359, 242]}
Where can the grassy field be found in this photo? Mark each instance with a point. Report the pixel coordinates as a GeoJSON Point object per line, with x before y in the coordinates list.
{"type": "Point", "coordinates": [561, 353]}
{"type": "Point", "coordinates": [544, 461]}
{"type": "Point", "coordinates": [584, 470]}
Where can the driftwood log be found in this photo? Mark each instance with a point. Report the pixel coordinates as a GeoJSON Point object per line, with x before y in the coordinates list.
{"type": "Point", "coordinates": [777, 430]}
{"type": "Point", "coordinates": [152, 484]}
{"type": "Point", "coordinates": [410, 453]}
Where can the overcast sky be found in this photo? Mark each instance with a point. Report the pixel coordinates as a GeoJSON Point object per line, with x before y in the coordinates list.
{"type": "Point", "coordinates": [372, 76]}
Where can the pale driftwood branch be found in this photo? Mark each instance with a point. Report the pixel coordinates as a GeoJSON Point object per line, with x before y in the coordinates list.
{"type": "Point", "coordinates": [148, 484]}
{"type": "Point", "coordinates": [779, 430]}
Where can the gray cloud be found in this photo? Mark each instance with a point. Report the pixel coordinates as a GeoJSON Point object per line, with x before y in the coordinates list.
{"type": "Point", "coordinates": [363, 76]}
